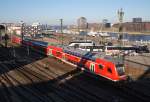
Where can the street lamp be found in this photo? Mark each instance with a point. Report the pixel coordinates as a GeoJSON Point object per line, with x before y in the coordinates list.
{"type": "Point", "coordinates": [22, 25]}
{"type": "Point", "coordinates": [6, 36]}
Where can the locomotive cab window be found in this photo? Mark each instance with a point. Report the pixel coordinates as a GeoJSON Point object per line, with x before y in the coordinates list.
{"type": "Point", "coordinates": [109, 70]}
{"type": "Point", "coordinates": [120, 69]}
{"type": "Point", "coordinates": [100, 66]}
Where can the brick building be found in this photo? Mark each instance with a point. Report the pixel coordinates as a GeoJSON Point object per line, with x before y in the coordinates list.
{"type": "Point", "coordinates": [135, 26]}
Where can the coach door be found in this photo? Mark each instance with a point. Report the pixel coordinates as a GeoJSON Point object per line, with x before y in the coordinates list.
{"type": "Point", "coordinates": [92, 67]}
{"type": "Point", "coordinates": [64, 56]}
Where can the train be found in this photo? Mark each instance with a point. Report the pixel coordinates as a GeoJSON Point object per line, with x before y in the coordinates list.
{"type": "Point", "coordinates": [109, 67]}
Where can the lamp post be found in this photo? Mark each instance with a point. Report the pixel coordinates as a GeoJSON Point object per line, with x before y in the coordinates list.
{"type": "Point", "coordinates": [2, 31]}
{"type": "Point", "coordinates": [6, 36]}
{"type": "Point", "coordinates": [22, 35]}
{"type": "Point", "coordinates": [86, 32]}
{"type": "Point", "coordinates": [120, 17]}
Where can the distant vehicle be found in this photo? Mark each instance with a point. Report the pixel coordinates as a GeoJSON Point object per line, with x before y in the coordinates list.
{"type": "Point", "coordinates": [38, 36]}
{"type": "Point", "coordinates": [99, 48]}
{"type": "Point", "coordinates": [142, 49]}
{"type": "Point", "coordinates": [126, 50]}
{"type": "Point", "coordinates": [92, 34]}
{"type": "Point", "coordinates": [102, 34]}
{"type": "Point", "coordinates": [115, 50]}
{"type": "Point", "coordinates": [83, 33]}
{"type": "Point", "coordinates": [81, 43]}
{"type": "Point", "coordinates": [27, 36]}
{"type": "Point", "coordinates": [16, 39]}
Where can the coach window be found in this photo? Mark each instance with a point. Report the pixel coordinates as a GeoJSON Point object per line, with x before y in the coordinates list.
{"type": "Point", "coordinates": [58, 53]}
{"type": "Point", "coordinates": [109, 70]}
{"type": "Point", "coordinates": [100, 66]}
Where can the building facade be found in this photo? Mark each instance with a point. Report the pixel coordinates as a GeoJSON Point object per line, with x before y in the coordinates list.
{"type": "Point", "coordinates": [31, 29]}
{"type": "Point", "coordinates": [137, 20]}
{"type": "Point", "coordinates": [135, 26]}
{"type": "Point", "coordinates": [82, 23]}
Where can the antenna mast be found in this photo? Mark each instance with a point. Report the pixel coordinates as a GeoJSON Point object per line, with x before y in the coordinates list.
{"type": "Point", "coordinates": [120, 17]}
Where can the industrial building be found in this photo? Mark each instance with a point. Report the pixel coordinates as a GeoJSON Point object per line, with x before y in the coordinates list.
{"type": "Point", "coordinates": [137, 25]}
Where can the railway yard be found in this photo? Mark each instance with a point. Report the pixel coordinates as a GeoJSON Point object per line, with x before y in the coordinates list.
{"type": "Point", "coordinates": [74, 51]}
{"type": "Point", "coordinates": [32, 77]}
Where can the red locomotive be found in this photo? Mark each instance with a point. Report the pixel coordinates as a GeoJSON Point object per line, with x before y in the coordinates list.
{"type": "Point", "coordinates": [98, 63]}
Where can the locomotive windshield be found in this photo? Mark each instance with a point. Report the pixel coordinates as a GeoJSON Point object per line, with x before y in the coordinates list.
{"type": "Point", "coordinates": [120, 69]}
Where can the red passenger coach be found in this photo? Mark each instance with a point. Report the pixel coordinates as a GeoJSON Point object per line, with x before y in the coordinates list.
{"type": "Point", "coordinates": [107, 66]}
{"type": "Point", "coordinates": [98, 63]}
{"type": "Point", "coordinates": [57, 53]}
{"type": "Point", "coordinates": [38, 46]}
{"type": "Point", "coordinates": [16, 39]}
{"type": "Point", "coordinates": [54, 51]}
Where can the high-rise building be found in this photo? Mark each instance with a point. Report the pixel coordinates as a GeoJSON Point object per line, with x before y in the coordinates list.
{"type": "Point", "coordinates": [82, 23]}
{"type": "Point", "coordinates": [35, 28]}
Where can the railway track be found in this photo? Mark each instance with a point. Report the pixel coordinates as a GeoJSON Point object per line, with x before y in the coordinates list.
{"type": "Point", "coordinates": [76, 91]}
{"type": "Point", "coordinates": [16, 81]}
{"type": "Point", "coordinates": [70, 89]}
{"type": "Point", "coordinates": [46, 80]}
{"type": "Point", "coordinates": [128, 93]}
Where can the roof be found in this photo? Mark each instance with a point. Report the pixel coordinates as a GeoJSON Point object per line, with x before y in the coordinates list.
{"type": "Point", "coordinates": [39, 43]}
{"type": "Point", "coordinates": [93, 55]}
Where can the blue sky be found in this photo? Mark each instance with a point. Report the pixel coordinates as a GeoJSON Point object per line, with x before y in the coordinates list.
{"type": "Point", "coordinates": [49, 11]}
